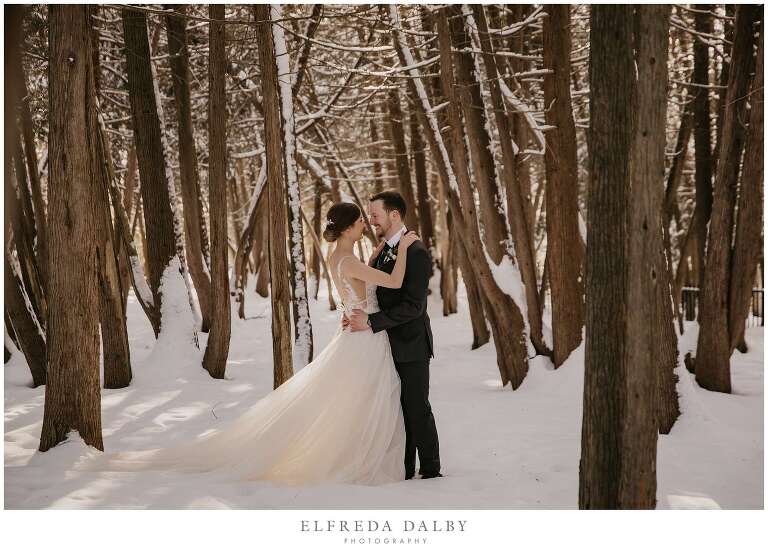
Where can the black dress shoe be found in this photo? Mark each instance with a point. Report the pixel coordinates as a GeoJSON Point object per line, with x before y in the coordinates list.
{"type": "Point", "coordinates": [409, 476]}
{"type": "Point", "coordinates": [431, 475]}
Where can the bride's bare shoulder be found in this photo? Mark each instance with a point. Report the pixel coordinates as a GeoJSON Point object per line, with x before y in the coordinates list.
{"type": "Point", "coordinates": [336, 257]}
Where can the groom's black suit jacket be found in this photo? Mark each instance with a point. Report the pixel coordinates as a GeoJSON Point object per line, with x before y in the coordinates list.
{"type": "Point", "coordinates": [404, 311]}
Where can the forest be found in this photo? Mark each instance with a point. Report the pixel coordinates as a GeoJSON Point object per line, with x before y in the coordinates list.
{"type": "Point", "coordinates": [588, 180]}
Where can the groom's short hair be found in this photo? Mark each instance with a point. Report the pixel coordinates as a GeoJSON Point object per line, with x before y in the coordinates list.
{"type": "Point", "coordinates": [392, 201]}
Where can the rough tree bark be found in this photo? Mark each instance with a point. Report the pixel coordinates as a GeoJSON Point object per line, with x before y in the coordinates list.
{"type": "Point", "coordinates": [72, 394]}
{"type": "Point", "coordinates": [20, 97]}
{"type": "Point", "coordinates": [112, 308]}
{"type": "Point", "coordinates": [503, 310]}
{"type": "Point", "coordinates": [375, 153]}
{"type": "Point", "coordinates": [623, 263]}
{"type": "Point", "coordinates": [713, 351]}
{"type": "Point", "coordinates": [747, 247]}
{"type": "Point", "coordinates": [517, 202]}
{"type": "Point", "coordinates": [480, 332]}
{"type": "Point", "coordinates": [278, 216]}
{"type": "Point", "coordinates": [397, 137]}
{"type": "Point", "coordinates": [195, 230]}
{"type": "Point", "coordinates": [693, 245]}
{"type": "Point", "coordinates": [217, 348]}
{"type": "Point", "coordinates": [564, 257]}
{"type": "Point", "coordinates": [426, 227]}
{"type": "Point", "coordinates": [702, 137]}
{"type": "Point", "coordinates": [651, 343]}
{"type": "Point", "coordinates": [251, 239]}
{"type": "Point", "coordinates": [18, 202]}
{"type": "Point", "coordinates": [158, 217]}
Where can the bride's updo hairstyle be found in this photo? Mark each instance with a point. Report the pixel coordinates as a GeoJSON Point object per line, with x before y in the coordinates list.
{"type": "Point", "coordinates": [340, 216]}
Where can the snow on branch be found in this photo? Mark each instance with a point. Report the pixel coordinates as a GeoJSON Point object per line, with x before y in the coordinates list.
{"type": "Point", "coordinates": [285, 82]}
{"type": "Point", "coordinates": [421, 92]}
{"type": "Point", "coordinates": [535, 15]}
{"type": "Point", "coordinates": [175, 203]}
{"type": "Point", "coordinates": [536, 128]}
{"type": "Point", "coordinates": [144, 294]}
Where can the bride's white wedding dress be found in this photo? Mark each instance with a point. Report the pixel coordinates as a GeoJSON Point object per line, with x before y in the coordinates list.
{"type": "Point", "coordinates": [338, 419]}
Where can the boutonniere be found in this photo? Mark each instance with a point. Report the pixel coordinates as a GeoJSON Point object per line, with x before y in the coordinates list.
{"type": "Point", "coordinates": [390, 255]}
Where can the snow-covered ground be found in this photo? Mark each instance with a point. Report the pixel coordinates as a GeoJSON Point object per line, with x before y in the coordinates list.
{"type": "Point", "coordinates": [499, 448]}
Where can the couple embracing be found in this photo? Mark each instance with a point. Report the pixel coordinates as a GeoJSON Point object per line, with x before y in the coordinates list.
{"type": "Point", "coordinates": [359, 412]}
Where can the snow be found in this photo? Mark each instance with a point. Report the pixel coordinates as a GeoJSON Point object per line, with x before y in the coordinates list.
{"type": "Point", "coordinates": [13, 263]}
{"type": "Point", "coordinates": [536, 14]}
{"type": "Point", "coordinates": [499, 448]}
{"type": "Point", "coordinates": [177, 322]}
{"type": "Point", "coordinates": [520, 107]}
{"type": "Point", "coordinates": [302, 343]}
{"type": "Point", "coordinates": [508, 278]}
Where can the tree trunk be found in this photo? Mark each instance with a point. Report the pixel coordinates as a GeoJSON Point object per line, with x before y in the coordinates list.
{"type": "Point", "coordinates": [72, 394]}
{"type": "Point", "coordinates": [671, 209]}
{"type": "Point", "coordinates": [448, 251]}
{"type": "Point", "coordinates": [375, 153]}
{"type": "Point", "coordinates": [127, 202]}
{"type": "Point", "coordinates": [480, 333]}
{"type": "Point", "coordinates": [318, 250]}
{"type": "Point", "coordinates": [26, 328]}
{"type": "Point", "coordinates": [713, 350]}
{"type": "Point", "coordinates": [702, 137]}
{"type": "Point", "coordinates": [470, 100]}
{"type": "Point", "coordinates": [565, 263]}
{"type": "Point", "coordinates": [302, 324]}
{"type": "Point", "coordinates": [675, 175]}
{"type": "Point", "coordinates": [194, 222]}
{"type": "Point", "coordinates": [317, 254]}
{"type": "Point", "coordinates": [426, 226]}
{"type": "Point", "coordinates": [693, 244]}
{"type": "Point", "coordinates": [158, 217]}
{"type": "Point", "coordinates": [649, 326]}
{"type": "Point", "coordinates": [517, 43]}
{"type": "Point", "coordinates": [506, 319]}
{"type": "Point", "coordinates": [217, 348]}
{"type": "Point", "coordinates": [725, 68]}
{"type": "Point", "coordinates": [619, 429]}
{"type": "Point", "coordinates": [747, 246]}
{"type": "Point", "coordinates": [112, 308]}
{"type": "Point", "coordinates": [278, 216]}
{"type": "Point", "coordinates": [397, 137]}
{"type": "Point", "coordinates": [24, 219]}
{"type": "Point", "coordinates": [517, 202]}
{"type": "Point", "coordinates": [251, 240]}
{"type": "Point", "coordinates": [20, 97]}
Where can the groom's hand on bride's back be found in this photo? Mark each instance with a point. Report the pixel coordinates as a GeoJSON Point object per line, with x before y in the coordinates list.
{"type": "Point", "coordinates": [359, 321]}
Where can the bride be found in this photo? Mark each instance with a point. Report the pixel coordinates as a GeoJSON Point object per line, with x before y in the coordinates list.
{"type": "Point", "coordinates": [338, 419]}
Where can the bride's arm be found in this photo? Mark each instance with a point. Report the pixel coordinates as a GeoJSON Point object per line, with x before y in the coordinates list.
{"type": "Point", "coordinates": [371, 275]}
{"type": "Point", "coordinates": [376, 253]}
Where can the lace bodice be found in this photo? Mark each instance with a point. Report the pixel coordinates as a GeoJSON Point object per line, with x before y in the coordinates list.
{"type": "Point", "coordinates": [349, 297]}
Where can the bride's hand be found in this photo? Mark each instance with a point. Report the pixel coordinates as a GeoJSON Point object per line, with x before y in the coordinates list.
{"type": "Point", "coordinates": [376, 251]}
{"type": "Point", "coordinates": [408, 239]}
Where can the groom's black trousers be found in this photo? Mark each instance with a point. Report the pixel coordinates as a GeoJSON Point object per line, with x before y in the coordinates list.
{"type": "Point", "coordinates": [420, 430]}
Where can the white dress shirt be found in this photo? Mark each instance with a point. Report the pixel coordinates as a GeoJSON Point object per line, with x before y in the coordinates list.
{"type": "Point", "coordinates": [394, 240]}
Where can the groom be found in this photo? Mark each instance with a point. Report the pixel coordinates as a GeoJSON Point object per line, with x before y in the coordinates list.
{"type": "Point", "coordinates": [404, 315]}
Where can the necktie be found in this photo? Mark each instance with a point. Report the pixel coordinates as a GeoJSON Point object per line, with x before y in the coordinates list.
{"type": "Point", "coordinates": [383, 254]}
